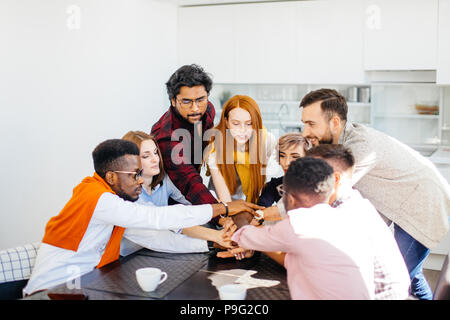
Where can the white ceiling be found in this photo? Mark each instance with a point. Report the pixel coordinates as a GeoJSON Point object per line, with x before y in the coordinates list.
{"type": "Point", "coordinates": [206, 2]}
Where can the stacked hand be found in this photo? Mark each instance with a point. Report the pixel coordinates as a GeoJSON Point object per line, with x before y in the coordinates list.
{"type": "Point", "coordinates": [229, 227]}
{"type": "Point", "coordinates": [239, 253]}
{"type": "Point", "coordinates": [237, 206]}
{"type": "Point", "coordinates": [224, 236]}
{"type": "Point", "coordinates": [272, 214]}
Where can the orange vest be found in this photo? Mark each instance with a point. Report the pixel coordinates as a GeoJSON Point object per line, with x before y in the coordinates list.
{"type": "Point", "coordinates": [67, 229]}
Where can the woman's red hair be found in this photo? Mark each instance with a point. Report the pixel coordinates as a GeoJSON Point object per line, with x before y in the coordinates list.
{"type": "Point", "coordinates": [256, 146]}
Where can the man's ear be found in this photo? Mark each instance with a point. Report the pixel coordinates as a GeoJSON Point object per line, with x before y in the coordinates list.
{"type": "Point", "coordinates": [293, 203]}
{"type": "Point", "coordinates": [337, 178]}
{"type": "Point", "coordinates": [110, 178]}
{"type": "Point", "coordinates": [337, 185]}
{"type": "Point", "coordinates": [335, 123]}
{"type": "Point", "coordinates": [172, 101]}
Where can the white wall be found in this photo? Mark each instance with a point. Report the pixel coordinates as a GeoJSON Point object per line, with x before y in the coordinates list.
{"type": "Point", "coordinates": [65, 89]}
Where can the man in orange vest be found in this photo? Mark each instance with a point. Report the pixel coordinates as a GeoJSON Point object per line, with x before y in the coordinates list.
{"type": "Point", "coordinates": [86, 234]}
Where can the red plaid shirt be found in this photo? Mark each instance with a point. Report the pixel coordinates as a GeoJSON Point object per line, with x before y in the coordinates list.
{"type": "Point", "coordinates": [185, 175]}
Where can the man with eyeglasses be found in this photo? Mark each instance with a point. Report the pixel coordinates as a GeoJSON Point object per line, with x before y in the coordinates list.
{"type": "Point", "coordinates": [86, 234]}
{"type": "Point", "coordinates": [190, 115]}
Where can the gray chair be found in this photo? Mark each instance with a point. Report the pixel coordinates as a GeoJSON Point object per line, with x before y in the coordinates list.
{"type": "Point", "coordinates": [16, 265]}
{"type": "Point", "coordinates": [442, 291]}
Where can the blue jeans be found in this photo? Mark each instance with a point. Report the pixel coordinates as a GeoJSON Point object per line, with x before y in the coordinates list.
{"type": "Point", "coordinates": [414, 254]}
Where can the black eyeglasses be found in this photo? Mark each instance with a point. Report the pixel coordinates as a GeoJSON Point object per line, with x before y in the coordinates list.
{"type": "Point", "coordinates": [137, 174]}
{"type": "Point", "coordinates": [188, 103]}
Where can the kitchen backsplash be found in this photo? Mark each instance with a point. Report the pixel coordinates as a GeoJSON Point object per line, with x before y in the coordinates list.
{"type": "Point", "coordinates": [417, 114]}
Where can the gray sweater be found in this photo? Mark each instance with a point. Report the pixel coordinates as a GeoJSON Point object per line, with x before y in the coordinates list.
{"type": "Point", "coordinates": [404, 186]}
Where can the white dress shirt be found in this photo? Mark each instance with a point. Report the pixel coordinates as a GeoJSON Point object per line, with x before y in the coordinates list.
{"type": "Point", "coordinates": [391, 275]}
{"type": "Point", "coordinates": [55, 265]}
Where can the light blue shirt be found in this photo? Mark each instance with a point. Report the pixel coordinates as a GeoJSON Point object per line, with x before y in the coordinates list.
{"type": "Point", "coordinates": [160, 195]}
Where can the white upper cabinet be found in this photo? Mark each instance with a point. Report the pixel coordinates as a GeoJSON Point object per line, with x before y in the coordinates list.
{"type": "Point", "coordinates": [206, 37]}
{"type": "Point", "coordinates": [265, 42]}
{"type": "Point", "coordinates": [280, 42]}
{"type": "Point", "coordinates": [401, 35]}
{"type": "Point", "coordinates": [443, 68]}
{"type": "Point", "coordinates": [329, 41]}
{"type": "Point", "coordinates": [300, 42]}
{"type": "Point", "coordinates": [323, 41]}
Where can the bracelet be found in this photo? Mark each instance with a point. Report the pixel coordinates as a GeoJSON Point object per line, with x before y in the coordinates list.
{"type": "Point", "coordinates": [226, 210]}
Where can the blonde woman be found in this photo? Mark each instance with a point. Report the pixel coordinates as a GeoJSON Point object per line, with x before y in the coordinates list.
{"type": "Point", "coordinates": [291, 146]}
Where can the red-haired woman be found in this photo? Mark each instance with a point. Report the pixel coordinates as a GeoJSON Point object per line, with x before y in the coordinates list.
{"type": "Point", "coordinates": [241, 155]}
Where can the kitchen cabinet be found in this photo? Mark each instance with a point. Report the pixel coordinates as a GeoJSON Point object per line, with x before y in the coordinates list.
{"type": "Point", "coordinates": [401, 35]}
{"type": "Point", "coordinates": [329, 42]}
{"type": "Point", "coordinates": [242, 43]}
{"type": "Point", "coordinates": [206, 37]}
{"type": "Point", "coordinates": [277, 43]}
{"type": "Point", "coordinates": [265, 43]}
{"type": "Point", "coordinates": [443, 57]}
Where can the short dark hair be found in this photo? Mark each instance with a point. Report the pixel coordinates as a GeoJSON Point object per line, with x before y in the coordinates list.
{"type": "Point", "coordinates": [107, 154]}
{"type": "Point", "coordinates": [309, 176]}
{"type": "Point", "coordinates": [336, 153]}
{"type": "Point", "coordinates": [332, 102]}
{"type": "Point", "coordinates": [190, 76]}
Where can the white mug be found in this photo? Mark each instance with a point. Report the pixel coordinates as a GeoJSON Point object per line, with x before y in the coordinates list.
{"type": "Point", "coordinates": [150, 278]}
{"type": "Point", "coordinates": [232, 292]}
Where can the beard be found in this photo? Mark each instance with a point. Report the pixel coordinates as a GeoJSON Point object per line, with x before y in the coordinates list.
{"type": "Point", "coordinates": [327, 137]}
{"type": "Point", "coordinates": [125, 196]}
{"type": "Point", "coordinates": [328, 140]}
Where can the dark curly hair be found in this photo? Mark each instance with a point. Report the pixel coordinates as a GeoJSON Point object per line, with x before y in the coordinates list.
{"type": "Point", "coordinates": [310, 177]}
{"type": "Point", "coordinates": [190, 76]}
{"type": "Point", "coordinates": [108, 153]}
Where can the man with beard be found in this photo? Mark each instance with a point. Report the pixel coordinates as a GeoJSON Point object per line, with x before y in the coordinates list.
{"type": "Point", "coordinates": [189, 116]}
{"type": "Point", "coordinates": [86, 234]}
{"type": "Point", "coordinates": [405, 187]}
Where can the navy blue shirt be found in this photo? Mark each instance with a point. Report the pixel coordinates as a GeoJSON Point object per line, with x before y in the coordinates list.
{"type": "Point", "coordinates": [269, 194]}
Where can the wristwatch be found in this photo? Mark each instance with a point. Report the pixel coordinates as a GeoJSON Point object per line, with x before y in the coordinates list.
{"type": "Point", "coordinates": [259, 216]}
{"type": "Point", "coordinates": [226, 210]}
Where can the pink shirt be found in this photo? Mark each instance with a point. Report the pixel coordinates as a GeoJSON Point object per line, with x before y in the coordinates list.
{"type": "Point", "coordinates": [327, 255]}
